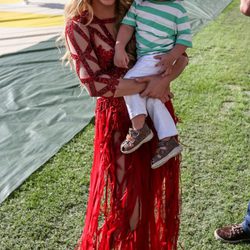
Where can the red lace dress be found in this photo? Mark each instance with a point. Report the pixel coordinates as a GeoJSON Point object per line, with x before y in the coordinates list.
{"type": "Point", "coordinates": [130, 206]}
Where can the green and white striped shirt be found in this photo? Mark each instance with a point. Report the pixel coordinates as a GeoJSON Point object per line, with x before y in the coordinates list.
{"type": "Point", "coordinates": [159, 25]}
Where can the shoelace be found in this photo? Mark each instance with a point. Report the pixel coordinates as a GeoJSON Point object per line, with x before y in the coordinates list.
{"type": "Point", "coordinates": [236, 230]}
{"type": "Point", "coordinates": [130, 138]}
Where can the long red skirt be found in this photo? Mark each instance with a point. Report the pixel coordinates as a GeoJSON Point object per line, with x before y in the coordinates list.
{"type": "Point", "coordinates": [130, 206]}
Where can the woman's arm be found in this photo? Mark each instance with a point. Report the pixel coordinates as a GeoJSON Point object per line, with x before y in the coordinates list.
{"type": "Point", "coordinates": [108, 84]}
{"type": "Point", "coordinates": [155, 86]}
{"type": "Point", "coordinates": [129, 87]}
{"type": "Point", "coordinates": [98, 82]}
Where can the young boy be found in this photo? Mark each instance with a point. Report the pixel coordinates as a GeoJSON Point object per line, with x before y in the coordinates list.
{"type": "Point", "coordinates": [162, 31]}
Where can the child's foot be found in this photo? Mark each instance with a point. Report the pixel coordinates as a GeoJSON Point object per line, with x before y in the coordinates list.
{"type": "Point", "coordinates": [165, 151]}
{"type": "Point", "coordinates": [135, 138]}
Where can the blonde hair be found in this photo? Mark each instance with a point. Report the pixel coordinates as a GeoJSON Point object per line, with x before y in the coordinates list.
{"type": "Point", "coordinates": [75, 8]}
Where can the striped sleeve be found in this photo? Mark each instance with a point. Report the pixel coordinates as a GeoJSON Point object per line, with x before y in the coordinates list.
{"type": "Point", "coordinates": [130, 17]}
{"type": "Point", "coordinates": [184, 36]}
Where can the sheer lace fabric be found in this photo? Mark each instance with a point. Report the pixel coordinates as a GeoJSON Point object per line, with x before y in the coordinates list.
{"type": "Point", "coordinates": [92, 48]}
{"type": "Point", "coordinates": [130, 206]}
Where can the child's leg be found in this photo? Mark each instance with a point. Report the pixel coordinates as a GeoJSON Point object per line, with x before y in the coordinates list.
{"type": "Point", "coordinates": [138, 122]}
{"type": "Point", "coordinates": [140, 133]}
{"type": "Point", "coordinates": [136, 106]}
{"type": "Point", "coordinates": [163, 121]}
{"type": "Point", "coordinates": [164, 124]}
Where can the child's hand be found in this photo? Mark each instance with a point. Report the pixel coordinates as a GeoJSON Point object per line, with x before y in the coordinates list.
{"type": "Point", "coordinates": [121, 58]}
{"type": "Point", "coordinates": [166, 63]}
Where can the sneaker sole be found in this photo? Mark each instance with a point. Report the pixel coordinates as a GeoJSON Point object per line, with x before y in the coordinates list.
{"type": "Point", "coordinates": [172, 154]}
{"type": "Point", "coordinates": [217, 237]}
{"type": "Point", "coordinates": [146, 139]}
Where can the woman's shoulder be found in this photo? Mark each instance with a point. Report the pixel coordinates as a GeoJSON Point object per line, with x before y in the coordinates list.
{"type": "Point", "coordinates": [84, 19]}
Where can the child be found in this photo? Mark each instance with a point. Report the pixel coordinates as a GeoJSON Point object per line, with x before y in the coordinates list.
{"type": "Point", "coordinates": [162, 31]}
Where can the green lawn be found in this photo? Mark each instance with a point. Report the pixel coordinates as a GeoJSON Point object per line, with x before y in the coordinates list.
{"type": "Point", "coordinates": [212, 99]}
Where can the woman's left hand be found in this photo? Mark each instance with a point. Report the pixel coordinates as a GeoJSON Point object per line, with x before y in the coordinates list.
{"type": "Point", "coordinates": [157, 87]}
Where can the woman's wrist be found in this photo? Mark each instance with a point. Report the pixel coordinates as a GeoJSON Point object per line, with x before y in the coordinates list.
{"type": "Point", "coordinates": [166, 80]}
{"type": "Point", "coordinates": [129, 87]}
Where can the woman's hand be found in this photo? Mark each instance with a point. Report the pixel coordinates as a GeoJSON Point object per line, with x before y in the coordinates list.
{"type": "Point", "coordinates": [166, 63]}
{"type": "Point", "coordinates": [168, 60]}
{"type": "Point", "coordinates": [157, 87]}
{"type": "Point", "coordinates": [131, 86]}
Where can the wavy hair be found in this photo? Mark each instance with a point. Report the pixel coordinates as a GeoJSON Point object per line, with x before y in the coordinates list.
{"type": "Point", "coordinates": [75, 8]}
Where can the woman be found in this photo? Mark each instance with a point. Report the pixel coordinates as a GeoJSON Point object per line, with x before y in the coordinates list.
{"type": "Point", "coordinates": [130, 205]}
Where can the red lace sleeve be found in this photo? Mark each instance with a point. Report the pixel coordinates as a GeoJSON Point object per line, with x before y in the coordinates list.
{"type": "Point", "coordinates": [99, 82]}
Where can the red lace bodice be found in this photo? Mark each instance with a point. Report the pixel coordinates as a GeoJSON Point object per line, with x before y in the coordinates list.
{"type": "Point", "coordinates": [92, 49]}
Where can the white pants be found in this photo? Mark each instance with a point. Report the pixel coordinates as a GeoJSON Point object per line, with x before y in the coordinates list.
{"type": "Point", "coordinates": [137, 105]}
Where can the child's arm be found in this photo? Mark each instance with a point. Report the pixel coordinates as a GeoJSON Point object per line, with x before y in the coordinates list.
{"type": "Point", "coordinates": [183, 41]}
{"type": "Point", "coordinates": [168, 60]}
{"type": "Point", "coordinates": [124, 35]}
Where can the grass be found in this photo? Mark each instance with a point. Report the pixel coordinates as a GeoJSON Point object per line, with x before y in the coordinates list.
{"type": "Point", "coordinates": [212, 100]}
